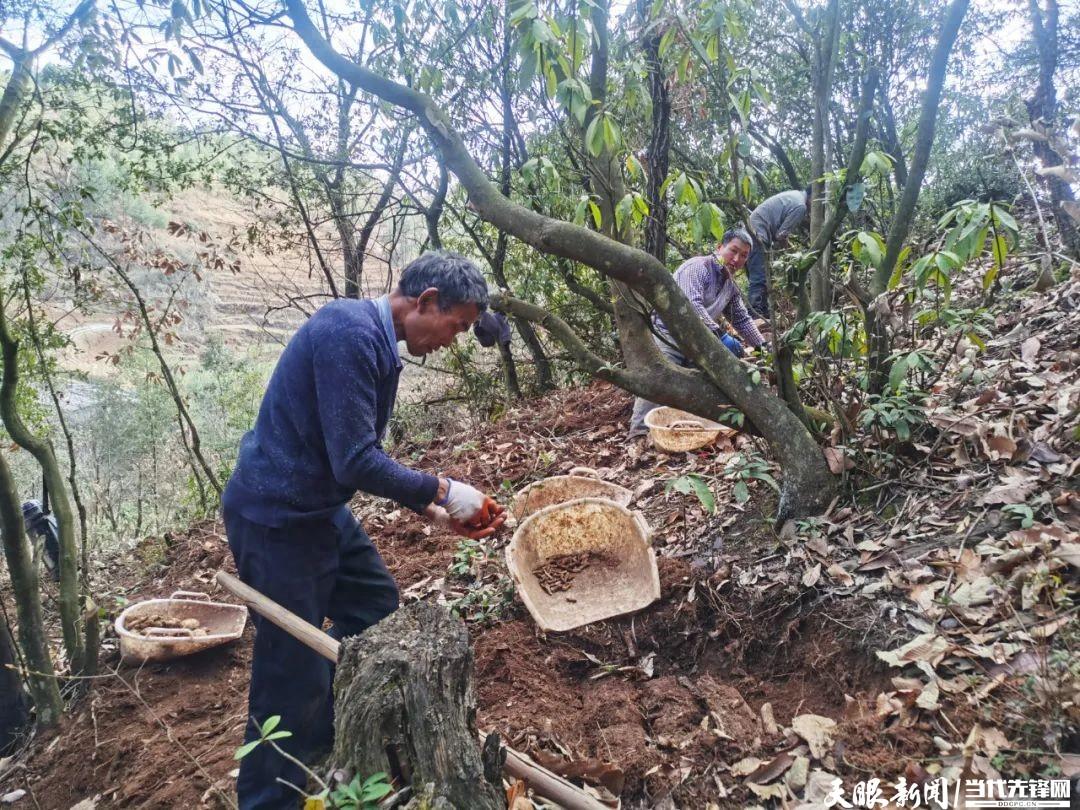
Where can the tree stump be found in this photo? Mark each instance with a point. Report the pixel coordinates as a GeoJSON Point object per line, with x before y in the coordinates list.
{"type": "Point", "coordinates": [405, 704]}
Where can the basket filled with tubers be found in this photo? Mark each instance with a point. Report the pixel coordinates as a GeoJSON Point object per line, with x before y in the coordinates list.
{"type": "Point", "coordinates": [185, 623]}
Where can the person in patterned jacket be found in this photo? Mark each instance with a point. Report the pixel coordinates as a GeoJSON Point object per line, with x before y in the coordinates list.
{"type": "Point", "coordinates": [709, 283]}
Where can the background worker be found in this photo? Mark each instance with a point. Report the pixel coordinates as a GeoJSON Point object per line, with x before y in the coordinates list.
{"type": "Point", "coordinates": [316, 441]}
{"type": "Point", "coordinates": [771, 224]}
{"type": "Point", "coordinates": [709, 283]}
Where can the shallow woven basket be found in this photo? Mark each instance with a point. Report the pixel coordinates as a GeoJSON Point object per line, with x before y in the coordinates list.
{"type": "Point", "coordinates": [581, 482]}
{"type": "Point", "coordinates": [599, 591]}
{"type": "Point", "coordinates": [222, 621]}
{"type": "Point", "coordinates": [676, 431]}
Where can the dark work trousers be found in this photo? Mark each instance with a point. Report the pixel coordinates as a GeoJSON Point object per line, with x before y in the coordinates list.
{"type": "Point", "coordinates": [317, 569]}
{"type": "Point", "coordinates": [757, 268]}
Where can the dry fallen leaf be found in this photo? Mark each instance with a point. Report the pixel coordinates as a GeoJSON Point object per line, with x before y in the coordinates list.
{"type": "Point", "coordinates": [928, 647]}
{"type": "Point", "coordinates": [817, 731]}
{"type": "Point", "coordinates": [838, 460]}
{"type": "Point", "coordinates": [999, 447]}
{"type": "Point", "coordinates": [745, 766]}
{"type": "Point", "coordinates": [769, 771]}
{"type": "Point", "coordinates": [1009, 491]}
{"type": "Point", "coordinates": [1029, 350]}
{"type": "Point", "coordinates": [811, 576]}
{"type": "Point", "coordinates": [840, 575]}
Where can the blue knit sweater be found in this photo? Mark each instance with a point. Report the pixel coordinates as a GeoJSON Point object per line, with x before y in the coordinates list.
{"type": "Point", "coordinates": [316, 440]}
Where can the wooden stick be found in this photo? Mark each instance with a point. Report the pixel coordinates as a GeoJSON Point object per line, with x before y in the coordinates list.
{"type": "Point", "coordinates": [518, 766]}
{"type": "Point", "coordinates": [288, 621]}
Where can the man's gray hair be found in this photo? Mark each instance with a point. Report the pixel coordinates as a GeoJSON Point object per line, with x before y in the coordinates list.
{"type": "Point", "coordinates": [458, 280]}
{"type": "Point", "coordinates": [741, 234]}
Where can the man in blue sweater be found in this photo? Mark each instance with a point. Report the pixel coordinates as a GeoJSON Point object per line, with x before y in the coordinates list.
{"type": "Point", "coordinates": [316, 441]}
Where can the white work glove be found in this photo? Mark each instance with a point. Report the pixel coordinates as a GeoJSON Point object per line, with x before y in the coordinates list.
{"type": "Point", "coordinates": [461, 502]}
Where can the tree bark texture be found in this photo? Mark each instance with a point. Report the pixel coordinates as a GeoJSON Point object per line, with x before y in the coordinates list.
{"type": "Point", "coordinates": [405, 704]}
{"type": "Point", "coordinates": [826, 48]}
{"type": "Point", "coordinates": [1043, 111]}
{"type": "Point", "coordinates": [44, 690]}
{"type": "Point", "coordinates": [14, 712]}
{"type": "Point", "coordinates": [657, 157]}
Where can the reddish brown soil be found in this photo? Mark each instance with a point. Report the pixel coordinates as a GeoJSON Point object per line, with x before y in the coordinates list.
{"type": "Point", "coordinates": [670, 695]}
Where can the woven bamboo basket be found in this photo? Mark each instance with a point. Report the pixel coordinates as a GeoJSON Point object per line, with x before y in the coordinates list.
{"type": "Point", "coordinates": [675, 431]}
{"type": "Point", "coordinates": [581, 482]}
{"type": "Point", "coordinates": [222, 621]}
{"type": "Point", "coordinates": [628, 580]}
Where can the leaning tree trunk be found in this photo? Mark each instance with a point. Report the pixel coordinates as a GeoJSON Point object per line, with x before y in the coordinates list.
{"type": "Point", "coordinates": [42, 451]}
{"type": "Point", "coordinates": [807, 486]}
{"type": "Point", "coordinates": [14, 713]}
{"type": "Point", "coordinates": [405, 704]}
{"type": "Point", "coordinates": [24, 584]}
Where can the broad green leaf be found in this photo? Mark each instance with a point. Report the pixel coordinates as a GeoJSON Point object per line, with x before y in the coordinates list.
{"type": "Point", "coordinates": [245, 749]}
{"type": "Point", "coordinates": [279, 735]}
{"type": "Point", "coordinates": [550, 80]}
{"type": "Point", "coordinates": [594, 136]}
{"type": "Point", "coordinates": [745, 186]}
{"type": "Point", "coordinates": [703, 216]}
{"type": "Point", "coordinates": [952, 258]}
{"type": "Point", "coordinates": [716, 222]}
{"type": "Point", "coordinates": [640, 208]}
{"type": "Point", "coordinates": [270, 724]}
{"type": "Point", "coordinates": [712, 48]}
{"type": "Point", "coordinates": [594, 209]}
{"type": "Point", "coordinates": [665, 42]}
{"type": "Point", "coordinates": [1004, 219]}
{"type": "Point", "coordinates": [898, 373]}
{"type": "Point", "coordinates": [622, 210]}
{"type": "Point", "coordinates": [990, 276]}
{"type": "Point", "coordinates": [855, 196]}
{"type": "Point", "coordinates": [633, 167]}
{"type": "Point", "coordinates": [684, 66]}
{"type": "Point", "coordinates": [680, 187]}
{"type": "Point", "coordinates": [524, 12]}
{"type": "Point", "coordinates": [612, 135]}
{"type": "Point", "coordinates": [529, 64]}
{"type": "Point", "coordinates": [542, 32]}
{"type": "Point", "coordinates": [372, 793]}
{"type": "Point", "coordinates": [868, 249]}
{"type": "Point", "coordinates": [704, 494]}
{"type": "Point", "coordinates": [740, 492]}
{"type": "Point", "coordinates": [579, 211]}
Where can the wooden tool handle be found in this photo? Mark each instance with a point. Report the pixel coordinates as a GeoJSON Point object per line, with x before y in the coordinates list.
{"type": "Point", "coordinates": [270, 610]}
